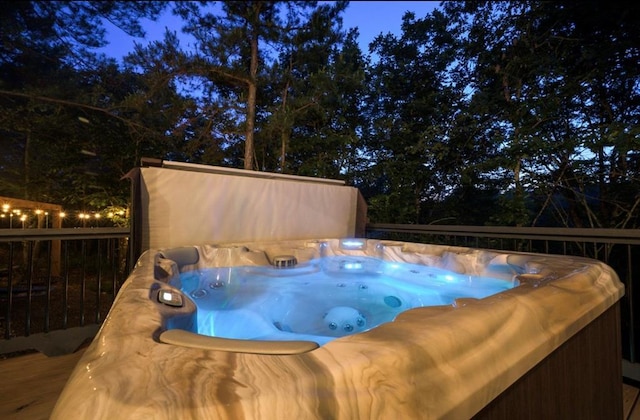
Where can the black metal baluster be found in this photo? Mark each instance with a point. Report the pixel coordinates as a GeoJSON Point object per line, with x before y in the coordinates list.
{"type": "Point", "coordinates": [65, 298]}
{"type": "Point", "coordinates": [83, 287]}
{"type": "Point", "coordinates": [47, 309]}
{"type": "Point", "coordinates": [7, 331]}
{"type": "Point", "coordinates": [99, 280]}
{"type": "Point", "coordinates": [27, 326]}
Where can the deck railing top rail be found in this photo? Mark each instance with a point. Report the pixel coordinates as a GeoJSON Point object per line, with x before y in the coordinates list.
{"type": "Point", "coordinates": [9, 235]}
{"type": "Point", "coordinates": [620, 236]}
{"type": "Point", "coordinates": [623, 236]}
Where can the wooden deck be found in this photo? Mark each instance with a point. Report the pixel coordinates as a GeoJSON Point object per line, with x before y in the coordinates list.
{"type": "Point", "coordinates": [31, 384]}
{"type": "Point", "coordinates": [630, 401]}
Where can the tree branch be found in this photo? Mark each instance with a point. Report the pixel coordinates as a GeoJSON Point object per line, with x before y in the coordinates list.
{"type": "Point", "coordinates": [72, 104]}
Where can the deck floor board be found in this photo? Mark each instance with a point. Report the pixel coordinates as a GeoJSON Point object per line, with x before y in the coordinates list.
{"type": "Point", "coordinates": [31, 384]}
{"type": "Point", "coordinates": [630, 399]}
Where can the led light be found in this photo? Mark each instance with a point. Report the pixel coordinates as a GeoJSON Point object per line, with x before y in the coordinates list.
{"type": "Point", "coordinates": [352, 244]}
{"type": "Point", "coordinates": [346, 265]}
{"type": "Point", "coordinates": [170, 298]}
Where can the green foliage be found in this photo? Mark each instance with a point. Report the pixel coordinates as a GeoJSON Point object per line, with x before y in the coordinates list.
{"type": "Point", "coordinates": [544, 77]}
{"type": "Point", "coordinates": [66, 115]}
{"type": "Point", "coordinates": [510, 113]}
{"type": "Point", "coordinates": [409, 103]}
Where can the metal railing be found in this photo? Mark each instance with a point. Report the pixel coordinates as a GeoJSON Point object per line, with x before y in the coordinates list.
{"type": "Point", "coordinates": [618, 248]}
{"type": "Point", "coordinates": [56, 285]}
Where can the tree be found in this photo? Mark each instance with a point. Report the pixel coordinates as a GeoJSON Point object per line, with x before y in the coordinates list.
{"type": "Point", "coordinates": [509, 113]}
{"type": "Point", "coordinates": [48, 78]}
{"type": "Point", "coordinates": [411, 102]}
{"type": "Point", "coordinates": [228, 53]}
{"type": "Point", "coordinates": [545, 76]}
{"type": "Point", "coordinates": [67, 31]}
{"type": "Point", "coordinates": [317, 85]}
{"type": "Point", "coordinates": [267, 67]}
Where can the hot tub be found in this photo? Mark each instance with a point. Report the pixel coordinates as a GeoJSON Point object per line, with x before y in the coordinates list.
{"type": "Point", "coordinates": [336, 328]}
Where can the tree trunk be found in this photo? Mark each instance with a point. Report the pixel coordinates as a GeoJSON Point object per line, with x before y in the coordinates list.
{"type": "Point", "coordinates": [284, 141]}
{"type": "Point", "coordinates": [251, 104]}
{"type": "Point", "coordinates": [285, 131]}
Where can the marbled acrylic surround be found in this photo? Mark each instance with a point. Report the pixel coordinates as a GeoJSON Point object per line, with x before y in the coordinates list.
{"type": "Point", "coordinates": [444, 361]}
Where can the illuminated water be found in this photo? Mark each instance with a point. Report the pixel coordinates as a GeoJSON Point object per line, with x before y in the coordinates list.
{"type": "Point", "coordinates": [323, 299]}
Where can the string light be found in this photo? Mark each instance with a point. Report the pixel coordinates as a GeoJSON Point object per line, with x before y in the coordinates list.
{"type": "Point", "coordinates": [115, 215]}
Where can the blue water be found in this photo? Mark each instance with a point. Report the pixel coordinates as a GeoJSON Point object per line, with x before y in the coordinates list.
{"type": "Point", "coordinates": [323, 299]}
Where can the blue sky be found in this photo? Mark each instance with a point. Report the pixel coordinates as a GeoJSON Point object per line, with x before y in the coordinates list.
{"type": "Point", "coordinates": [375, 17]}
{"type": "Point", "coordinates": [371, 18]}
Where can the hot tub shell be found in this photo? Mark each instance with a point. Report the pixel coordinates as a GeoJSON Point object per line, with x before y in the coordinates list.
{"type": "Point", "coordinates": [549, 346]}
